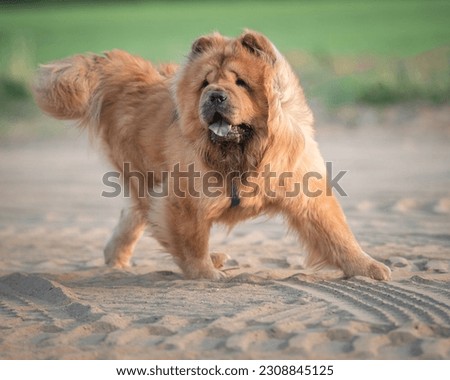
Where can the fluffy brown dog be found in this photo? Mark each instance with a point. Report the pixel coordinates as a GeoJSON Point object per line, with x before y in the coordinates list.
{"type": "Point", "coordinates": [225, 137]}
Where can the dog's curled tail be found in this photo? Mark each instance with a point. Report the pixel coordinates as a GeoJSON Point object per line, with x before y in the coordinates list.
{"type": "Point", "coordinates": [65, 89]}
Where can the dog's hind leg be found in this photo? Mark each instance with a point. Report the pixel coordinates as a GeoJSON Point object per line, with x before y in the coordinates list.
{"type": "Point", "coordinates": [126, 234]}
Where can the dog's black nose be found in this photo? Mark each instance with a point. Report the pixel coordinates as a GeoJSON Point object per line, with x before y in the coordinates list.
{"type": "Point", "coordinates": [217, 97]}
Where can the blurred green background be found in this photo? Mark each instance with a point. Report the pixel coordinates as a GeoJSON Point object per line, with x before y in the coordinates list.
{"type": "Point", "coordinates": [345, 52]}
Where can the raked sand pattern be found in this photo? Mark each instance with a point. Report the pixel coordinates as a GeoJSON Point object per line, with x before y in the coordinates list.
{"type": "Point", "coordinates": [58, 301]}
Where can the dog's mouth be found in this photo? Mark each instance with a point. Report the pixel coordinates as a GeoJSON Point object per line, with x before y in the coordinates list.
{"type": "Point", "coordinates": [221, 130]}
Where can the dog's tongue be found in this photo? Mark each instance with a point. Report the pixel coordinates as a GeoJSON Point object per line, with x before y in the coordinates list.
{"type": "Point", "coordinates": [220, 128]}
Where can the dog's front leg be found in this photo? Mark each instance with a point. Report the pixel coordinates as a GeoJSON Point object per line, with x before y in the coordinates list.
{"type": "Point", "coordinates": [323, 229]}
{"type": "Point", "coordinates": [179, 227]}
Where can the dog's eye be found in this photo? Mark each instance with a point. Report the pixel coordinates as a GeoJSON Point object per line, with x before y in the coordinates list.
{"type": "Point", "coordinates": [241, 83]}
{"type": "Point", "coordinates": [205, 83]}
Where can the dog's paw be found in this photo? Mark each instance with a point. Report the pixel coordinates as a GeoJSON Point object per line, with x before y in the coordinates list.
{"type": "Point", "coordinates": [369, 268]}
{"type": "Point", "coordinates": [117, 264]}
{"type": "Point", "coordinates": [219, 259]}
{"type": "Point", "coordinates": [115, 259]}
{"type": "Point", "coordinates": [213, 274]}
{"type": "Point", "coordinates": [378, 271]}
{"type": "Point", "coordinates": [205, 271]}
{"type": "Point", "coordinates": [219, 275]}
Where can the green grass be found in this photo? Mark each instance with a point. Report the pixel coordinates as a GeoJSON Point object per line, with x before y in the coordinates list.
{"type": "Point", "coordinates": [325, 32]}
{"type": "Point", "coordinates": [380, 81]}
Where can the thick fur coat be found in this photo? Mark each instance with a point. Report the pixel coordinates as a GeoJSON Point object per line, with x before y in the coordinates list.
{"type": "Point", "coordinates": [235, 118]}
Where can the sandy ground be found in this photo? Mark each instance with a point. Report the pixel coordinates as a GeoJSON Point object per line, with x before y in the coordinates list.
{"type": "Point", "coordinates": [58, 301]}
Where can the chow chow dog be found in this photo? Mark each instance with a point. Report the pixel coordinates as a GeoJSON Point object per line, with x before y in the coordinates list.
{"type": "Point", "coordinates": [225, 137]}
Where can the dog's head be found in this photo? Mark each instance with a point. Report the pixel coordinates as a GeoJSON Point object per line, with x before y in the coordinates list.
{"type": "Point", "coordinates": [233, 102]}
{"type": "Point", "coordinates": [226, 95]}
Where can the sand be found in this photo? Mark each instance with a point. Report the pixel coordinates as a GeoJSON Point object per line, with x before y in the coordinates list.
{"type": "Point", "coordinates": [58, 300]}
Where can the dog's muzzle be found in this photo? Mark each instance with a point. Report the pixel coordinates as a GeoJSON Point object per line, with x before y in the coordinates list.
{"type": "Point", "coordinates": [215, 109]}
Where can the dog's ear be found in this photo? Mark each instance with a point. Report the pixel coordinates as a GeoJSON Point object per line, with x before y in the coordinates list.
{"type": "Point", "coordinates": [205, 43]}
{"type": "Point", "coordinates": [201, 45]}
{"type": "Point", "coordinates": [259, 45]}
